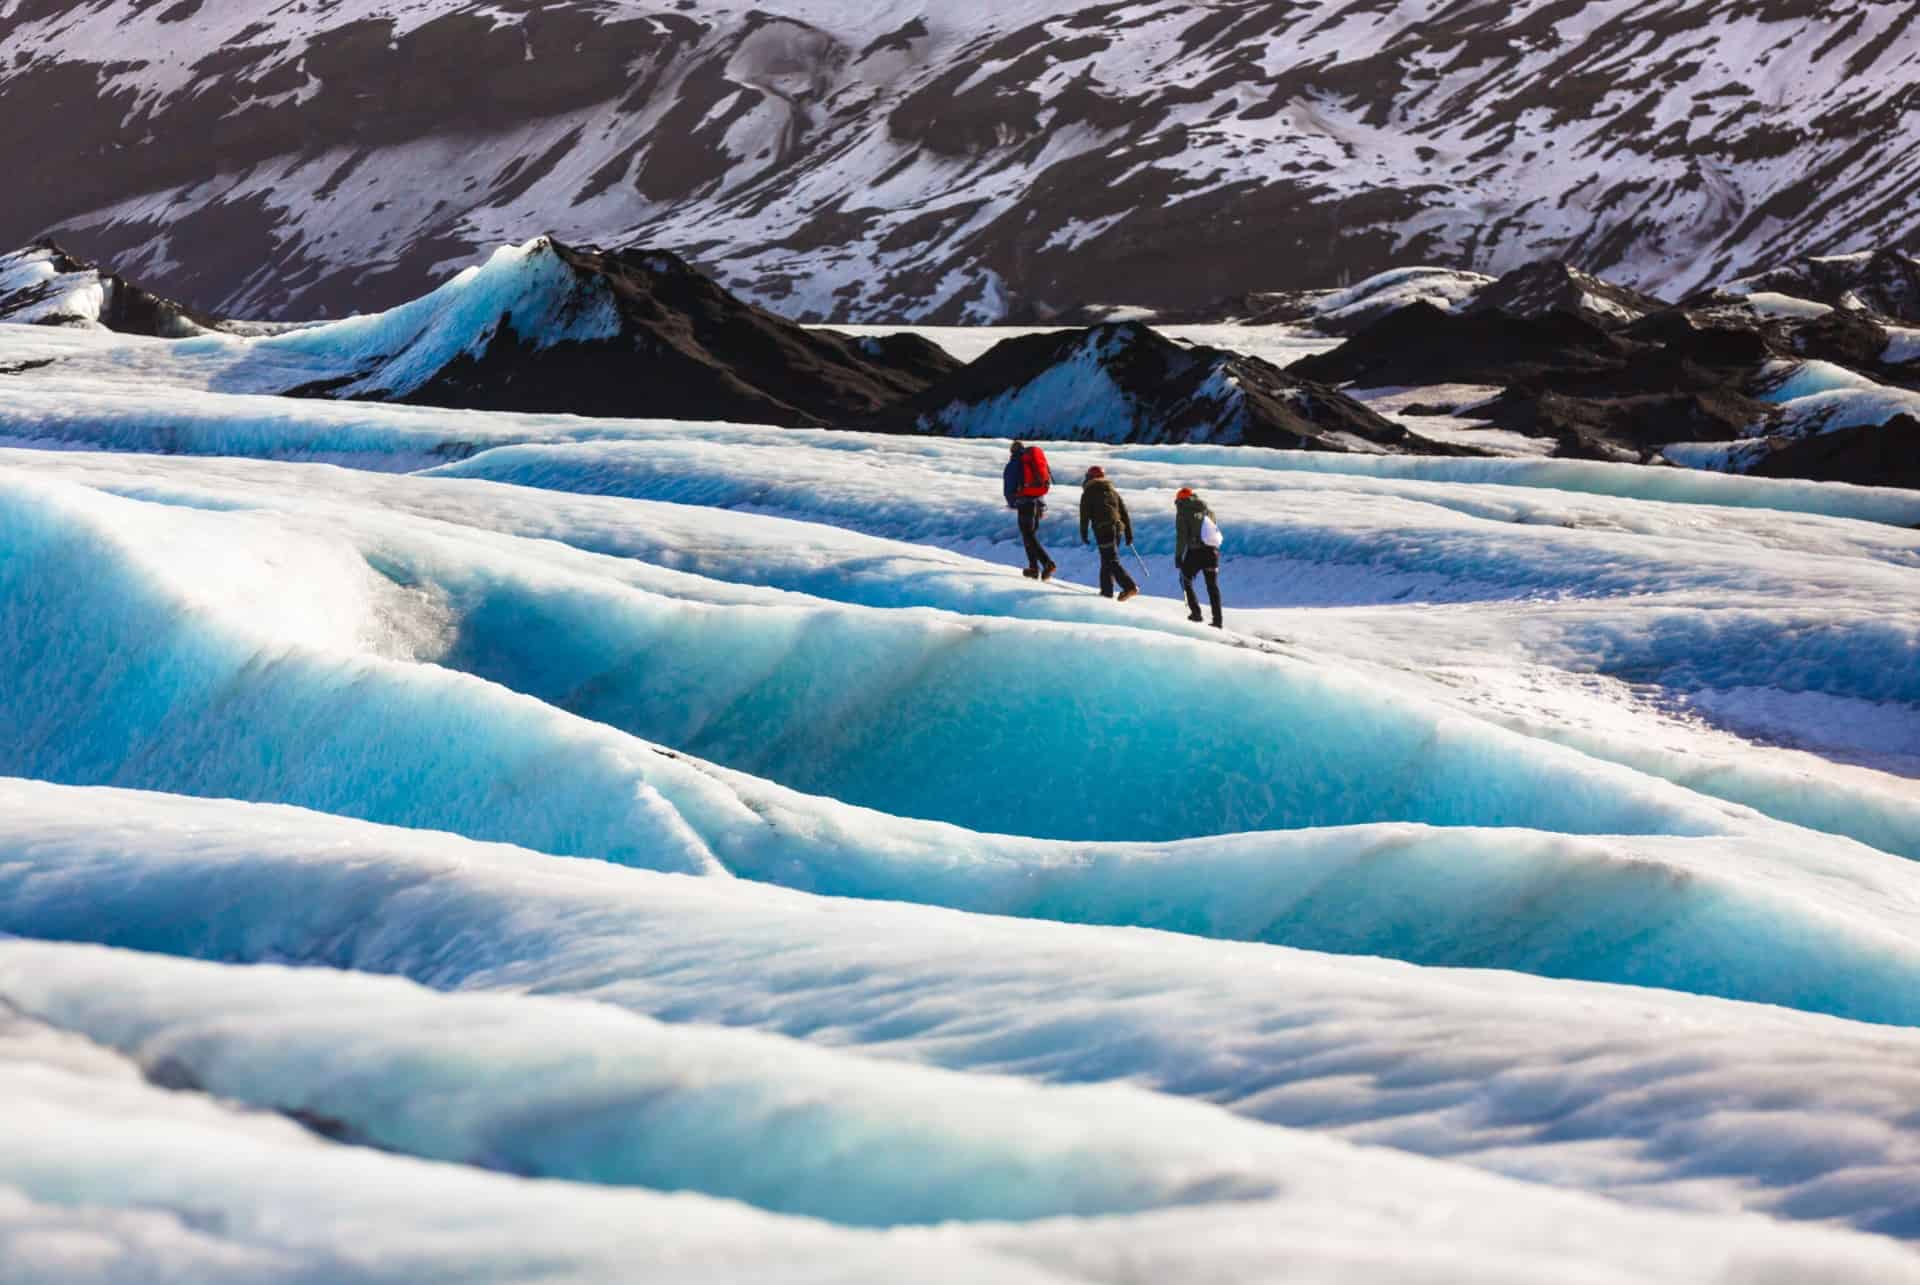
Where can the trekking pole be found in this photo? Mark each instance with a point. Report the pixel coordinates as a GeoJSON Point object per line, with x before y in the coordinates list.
{"type": "Point", "coordinates": [1144, 577]}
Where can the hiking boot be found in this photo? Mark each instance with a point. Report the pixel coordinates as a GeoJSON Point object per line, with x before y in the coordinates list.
{"type": "Point", "coordinates": [1127, 593]}
{"type": "Point", "coordinates": [1194, 617]}
{"type": "Point", "coordinates": [1033, 573]}
{"type": "Point", "coordinates": [1218, 625]}
{"type": "Point", "coordinates": [1046, 572]}
{"type": "Point", "coordinates": [1106, 595]}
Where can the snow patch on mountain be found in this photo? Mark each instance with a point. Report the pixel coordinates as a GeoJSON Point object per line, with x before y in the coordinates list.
{"type": "Point", "coordinates": [1347, 310]}
{"type": "Point", "coordinates": [1769, 304]}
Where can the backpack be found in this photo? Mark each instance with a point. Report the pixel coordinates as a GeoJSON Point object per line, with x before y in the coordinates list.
{"type": "Point", "coordinates": [1035, 478]}
{"type": "Point", "coordinates": [1210, 532]}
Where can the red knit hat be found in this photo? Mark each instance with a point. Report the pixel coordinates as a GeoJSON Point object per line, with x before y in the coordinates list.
{"type": "Point", "coordinates": [1184, 493]}
{"type": "Point", "coordinates": [1095, 471]}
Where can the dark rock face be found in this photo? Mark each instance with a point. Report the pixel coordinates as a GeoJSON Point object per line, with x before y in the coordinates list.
{"type": "Point", "coordinates": [1600, 395]}
{"type": "Point", "coordinates": [1552, 285]}
{"type": "Point", "coordinates": [975, 164]}
{"type": "Point", "coordinates": [1124, 382]}
{"type": "Point", "coordinates": [1857, 342]}
{"type": "Point", "coordinates": [1885, 281]}
{"type": "Point", "coordinates": [1609, 396]}
{"type": "Point", "coordinates": [1871, 455]}
{"type": "Point", "coordinates": [677, 346]}
{"type": "Point", "coordinates": [1421, 344]}
{"type": "Point", "coordinates": [46, 285]}
{"type": "Point", "coordinates": [549, 327]}
{"type": "Point", "coordinates": [1674, 376]}
{"type": "Point", "coordinates": [1629, 429]}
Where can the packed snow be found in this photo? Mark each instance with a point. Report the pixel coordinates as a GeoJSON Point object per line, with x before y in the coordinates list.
{"type": "Point", "coordinates": [1773, 305]}
{"type": "Point", "coordinates": [1480, 1067]}
{"type": "Point", "coordinates": [1385, 292]}
{"type": "Point", "coordinates": [110, 1178]}
{"type": "Point", "coordinates": [474, 846]}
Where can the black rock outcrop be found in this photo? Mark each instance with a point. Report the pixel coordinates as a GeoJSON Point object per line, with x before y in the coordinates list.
{"type": "Point", "coordinates": [44, 284]}
{"type": "Point", "coordinates": [1868, 454]}
{"type": "Point", "coordinates": [1884, 281]}
{"type": "Point", "coordinates": [1554, 285]}
{"type": "Point", "coordinates": [1707, 373]}
{"type": "Point", "coordinates": [1421, 344]}
{"type": "Point", "coordinates": [670, 343]}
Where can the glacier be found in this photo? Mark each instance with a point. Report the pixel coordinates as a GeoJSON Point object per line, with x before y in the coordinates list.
{"type": "Point", "coordinates": [481, 846]}
{"type": "Point", "coordinates": [1598, 1103]}
{"type": "Point", "coordinates": [371, 1216]}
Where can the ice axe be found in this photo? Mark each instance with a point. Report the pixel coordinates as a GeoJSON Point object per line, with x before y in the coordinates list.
{"type": "Point", "coordinates": [1144, 577]}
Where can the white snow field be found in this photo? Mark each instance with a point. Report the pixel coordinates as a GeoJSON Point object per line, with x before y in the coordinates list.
{"type": "Point", "coordinates": [566, 849]}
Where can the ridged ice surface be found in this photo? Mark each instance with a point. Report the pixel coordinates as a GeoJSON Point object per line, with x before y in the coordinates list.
{"type": "Point", "coordinates": [644, 850]}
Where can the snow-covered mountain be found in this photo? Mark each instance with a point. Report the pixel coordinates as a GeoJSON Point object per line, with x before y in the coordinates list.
{"type": "Point", "coordinates": [550, 327]}
{"type": "Point", "coordinates": [907, 161]}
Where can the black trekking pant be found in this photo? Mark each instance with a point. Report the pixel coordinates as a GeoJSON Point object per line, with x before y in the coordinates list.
{"type": "Point", "coordinates": [1031, 511]}
{"type": "Point", "coordinates": [1202, 561]}
{"type": "Point", "coordinates": [1112, 571]}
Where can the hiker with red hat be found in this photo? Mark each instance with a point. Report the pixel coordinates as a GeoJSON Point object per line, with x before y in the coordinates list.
{"type": "Point", "coordinates": [1102, 509]}
{"type": "Point", "coordinates": [1025, 481]}
{"type": "Point", "coordinates": [1196, 550]}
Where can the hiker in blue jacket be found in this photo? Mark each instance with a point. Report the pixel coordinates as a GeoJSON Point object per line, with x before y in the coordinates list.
{"type": "Point", "coordinates": [1025, 481]}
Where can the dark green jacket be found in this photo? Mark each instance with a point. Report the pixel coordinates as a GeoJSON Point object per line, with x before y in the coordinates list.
{"type": "Point", "coordinates": [1186, 525]}
{"type": "Point", "coordinates": [1103, 509]}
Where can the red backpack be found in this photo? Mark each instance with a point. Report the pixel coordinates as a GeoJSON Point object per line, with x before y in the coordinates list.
{"type": "Point", "coordinates": [1035, 477]}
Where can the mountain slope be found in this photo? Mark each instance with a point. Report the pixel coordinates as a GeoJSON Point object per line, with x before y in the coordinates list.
{"type": "Point", "coordinates": [1124, 382]}
{"type": "Point", "coordinates": [869, 161]}
{"type": "Point", "coordinates": [550, 327]}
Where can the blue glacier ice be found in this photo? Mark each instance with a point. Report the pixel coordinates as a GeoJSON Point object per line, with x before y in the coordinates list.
{"type": "Point", "coordinates": [1097, 736]}
{"type": "Point", "coordinates": [767, 883]}
{"type": "Point", "coordinates": [1680, 632]}
{"type": "Point", "coordinates": [1479, 1066]}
